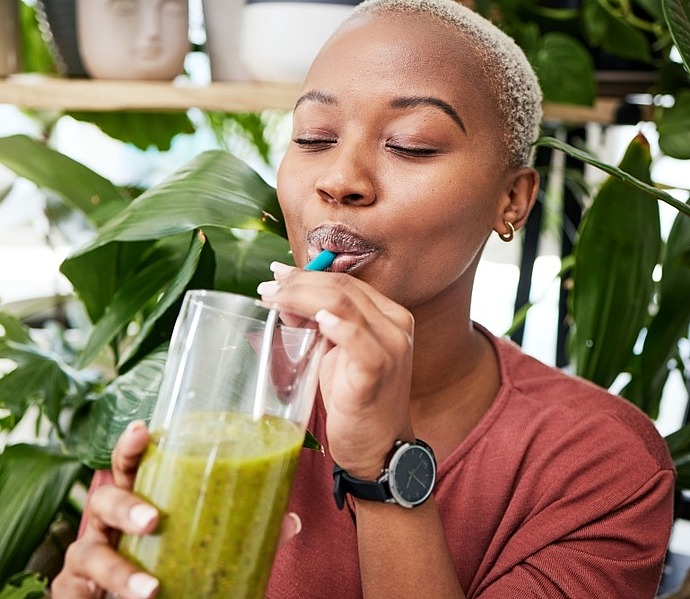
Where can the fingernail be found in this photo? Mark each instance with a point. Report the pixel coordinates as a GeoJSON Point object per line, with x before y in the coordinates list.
{"type": "Point", "coordinates": [268, 288]}
{"type": "Point", "coordinates": [326, 318]}
{"type": "Point", "coordinates": [135, 425]}
{"type": "Point", "coordinates": [281, 269]}
{"type": "Point", "coordinates": [142, 585]}
{"type": "Point", "coordinates": [142, 515]}
{"type": "Point", "coordinates": [297, 522]}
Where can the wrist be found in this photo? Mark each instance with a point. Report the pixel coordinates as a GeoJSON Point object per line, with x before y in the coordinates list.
{"type": "Point", "coordinates": [407, 479]}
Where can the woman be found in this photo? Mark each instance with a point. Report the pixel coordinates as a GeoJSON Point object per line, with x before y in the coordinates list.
{"type": "Point", "coordinates": [411, 144]}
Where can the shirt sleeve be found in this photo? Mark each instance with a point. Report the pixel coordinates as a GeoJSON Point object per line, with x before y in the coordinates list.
{"type": "Point", "coordinates": [616, 554]}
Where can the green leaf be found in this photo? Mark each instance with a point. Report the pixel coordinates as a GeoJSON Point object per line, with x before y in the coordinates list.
{"type": "Point", "coordinates": [679, 446]}
{"type": "Point", "coordinates": [565, 69]}
{"type": "Point", "coordinates": [98, 424]}
{"type": "Point", "coordinates": [669, 325]}
{"type": "Point", "coordinates": [653, 8]}
{"type": "Point", "coordinates": [215, 189]}
{"type": "Point", "coordinates": [673, 127]}
{"type": "Point", "coordinates": [650, 190]}
{"type": "Point", "coordinates": [24, 585]}
{"type": "Point", "coordinates": [613, 33]}
{"type": "Point", "coordinates": [171, 296]}
{"type": "Point", "coordinates": [617, 249]}
{"type": "Point", "coordinates": [34, 482]}
{"type": "Point", "coordinates": [142, 288]}
{"type": "Point", "coordinates": [677, 14]}
{"type": "Point", "coordinates": [78, 185]}
{"type": "Point", "coordinates": [243, 261]}
{"type": "Point", "coordinates": [96, 275]}
{"type": "Point", "coordinates": [140, 128]}
{"type": "Point", "coordinates": [41, 377]}
{"type": "Point", "coordinates": [310, 442]}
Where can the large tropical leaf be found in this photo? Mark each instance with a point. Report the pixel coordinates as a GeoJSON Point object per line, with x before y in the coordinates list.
{"type": "Point", "coordinates": [677, 14]}
{"type": "Point", "coordinates": [34, 482]}
{"type": "Point", "coordinates": [98, 274]}
{"type": "Point", "coordinates": [215, 189]}
{"type": "Point", "coordinates": [669, 325]}
{"type": "Point", "coordinates": [647, 188]}
{"type": "Point", "coordinates": [617, 249]}
{"type": "Point", "coordinates": [164, 277]}
{"type": "Point", "coordinates": [78, 185]}
{"type": "Point", "coordinates": [98, 424]}
{"type": "Point", "coordinates": [197, 272]}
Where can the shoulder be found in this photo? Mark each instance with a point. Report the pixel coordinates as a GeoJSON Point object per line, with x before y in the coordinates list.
{"type": "Point", "coordinates": [566, 405]}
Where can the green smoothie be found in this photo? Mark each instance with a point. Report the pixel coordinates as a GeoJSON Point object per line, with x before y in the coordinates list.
{"type": "Point", "coordinates": [221, 483]}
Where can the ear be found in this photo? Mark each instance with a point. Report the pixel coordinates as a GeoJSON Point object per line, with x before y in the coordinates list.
{"type": "Point", "coordinates": [521, 189]}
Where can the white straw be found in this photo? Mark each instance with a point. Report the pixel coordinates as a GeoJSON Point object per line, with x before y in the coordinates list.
{"type": "Point", "coordinates": [264, 362]}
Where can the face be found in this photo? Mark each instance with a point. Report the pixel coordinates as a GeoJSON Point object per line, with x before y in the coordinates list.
{"type": "Point", "coordinates": [142, 38]}
{"type": "Point", "coordinates": [396, 161]}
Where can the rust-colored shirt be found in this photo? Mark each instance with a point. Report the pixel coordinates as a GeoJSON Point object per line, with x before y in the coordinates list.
{"type": "Point", "coordinates": [561, 490]}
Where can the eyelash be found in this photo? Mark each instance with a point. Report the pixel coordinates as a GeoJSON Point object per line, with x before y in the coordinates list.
{"type": "Point", "coordinates": [420, 152]}
{"type": "Point", "coordinates": [317, 144]}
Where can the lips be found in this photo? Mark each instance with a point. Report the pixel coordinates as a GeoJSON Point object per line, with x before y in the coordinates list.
{"type": "Point", "coordinates": [354, 251]}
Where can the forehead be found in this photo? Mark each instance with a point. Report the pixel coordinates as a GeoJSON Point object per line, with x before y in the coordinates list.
{"type": "Point", "coordinates": [404, 53]}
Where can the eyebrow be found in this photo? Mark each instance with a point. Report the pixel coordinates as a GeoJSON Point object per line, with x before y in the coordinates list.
{"type": "Point", "coordinates": [316, 96]}
{"type": "Point", "coordinates": [413, 101]}
{"type": "Point", "coordinates": [402, 102]}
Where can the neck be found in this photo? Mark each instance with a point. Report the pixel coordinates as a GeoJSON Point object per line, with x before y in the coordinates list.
{"type": "Point", "coordinates": [455, 374]}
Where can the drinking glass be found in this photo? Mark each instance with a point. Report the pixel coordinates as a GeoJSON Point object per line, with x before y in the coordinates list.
{"type": "Point", "coordinates": [230, 419]}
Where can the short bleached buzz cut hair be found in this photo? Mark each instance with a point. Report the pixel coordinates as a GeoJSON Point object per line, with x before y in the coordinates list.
{"type": "Point", "coordinates": [508, 73]}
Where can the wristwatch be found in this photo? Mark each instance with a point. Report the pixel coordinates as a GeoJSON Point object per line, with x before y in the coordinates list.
{"type": "Point", "coordinates": [407, 479]}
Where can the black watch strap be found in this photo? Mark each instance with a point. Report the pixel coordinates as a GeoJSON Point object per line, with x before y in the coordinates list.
{"type": "Point", "coordinates": [343, 484]}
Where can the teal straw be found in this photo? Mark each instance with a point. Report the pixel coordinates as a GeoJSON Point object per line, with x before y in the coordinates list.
{"type": "Point", "coordinates": [321, 261]}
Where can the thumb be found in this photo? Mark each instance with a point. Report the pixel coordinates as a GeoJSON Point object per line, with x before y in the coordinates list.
{"type": "Point", "coordinates": [291, 527]}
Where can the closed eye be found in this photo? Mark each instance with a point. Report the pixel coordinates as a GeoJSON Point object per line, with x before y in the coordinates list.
{"type": "Point", "coordinates": [314, 143]}
{"type": "Point", "coordinates": [412, 150]}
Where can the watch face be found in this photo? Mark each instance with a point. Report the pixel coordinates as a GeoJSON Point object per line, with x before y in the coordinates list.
{"type": "Point", "coordinates": [412, 475]}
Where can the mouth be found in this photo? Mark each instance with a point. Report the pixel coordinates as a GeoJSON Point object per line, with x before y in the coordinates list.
{"type": "Point", "coordinates": [353, 251]}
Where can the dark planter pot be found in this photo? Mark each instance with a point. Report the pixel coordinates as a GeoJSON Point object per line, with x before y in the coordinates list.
{"type": "Point", "coordinates": [9, 38]}
{"type": "Point", "coordinates": [59, 27]}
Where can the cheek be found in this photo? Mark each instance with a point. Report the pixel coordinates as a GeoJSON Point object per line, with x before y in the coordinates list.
{"type": "Point", "coordinates": [292, 199]}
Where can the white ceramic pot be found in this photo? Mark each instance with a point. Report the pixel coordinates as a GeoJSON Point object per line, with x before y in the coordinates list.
{"type": "Point", "coordinates": [279, 40]}
{"type": "Point", "coordinates": [222, 20]}
{"type": "Point", "coordinates": [133, 39]}
{"type": "Point", "coordinates": [9, 37]}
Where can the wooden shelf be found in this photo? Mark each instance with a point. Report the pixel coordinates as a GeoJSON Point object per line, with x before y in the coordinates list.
{"type": "Point", "coordinates": [34, 91]}
{"type": "Point", "coordinates": [37, 91]}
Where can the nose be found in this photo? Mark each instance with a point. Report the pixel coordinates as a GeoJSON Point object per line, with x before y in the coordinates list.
{"type": "Point", "coordinates": [347, 179]}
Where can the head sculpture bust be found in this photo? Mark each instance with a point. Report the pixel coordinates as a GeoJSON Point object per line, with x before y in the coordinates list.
{"type": "Point", "coordinates": [133, 39]}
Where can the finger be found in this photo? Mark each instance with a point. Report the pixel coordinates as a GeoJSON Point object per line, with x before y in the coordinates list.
{"type": "Point", "coordinates": [289, 275]}
{"type": "Point", "coordinates": [68, 586]}
{"type": "Point", "coordinates": [88, 564]}
{"type": "Point", "coordinates": [112, 508]}
{"type": "Point", "coordinates": [292, 524]}
{"type": "Point", "coordinates": [127, 454]}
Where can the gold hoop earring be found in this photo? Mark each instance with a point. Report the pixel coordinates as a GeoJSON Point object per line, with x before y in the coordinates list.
{"type": "Point", "coordinates": [510, 234]}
